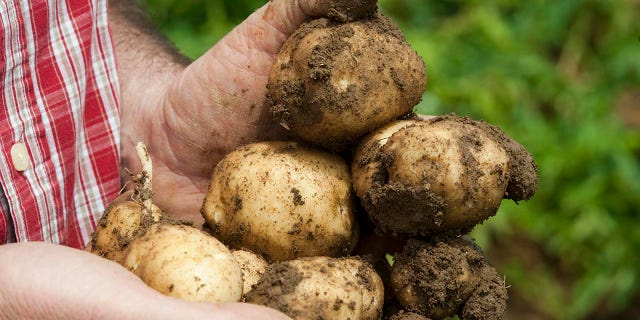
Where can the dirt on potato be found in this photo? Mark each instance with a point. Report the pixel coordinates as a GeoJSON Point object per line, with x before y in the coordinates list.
{"type": "Point", "coordinates": [449, 276]}
{"type": "Point", "coordinates": [489, 300]}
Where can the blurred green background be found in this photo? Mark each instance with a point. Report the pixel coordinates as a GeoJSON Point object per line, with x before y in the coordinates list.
{"type": "Point", "coordinates": [562, 78]}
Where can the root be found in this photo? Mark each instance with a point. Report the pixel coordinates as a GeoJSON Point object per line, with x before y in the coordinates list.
{"type": "Point", "coordinates": [143, 191]}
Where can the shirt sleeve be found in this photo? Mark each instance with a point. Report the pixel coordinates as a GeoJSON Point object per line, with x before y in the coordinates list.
{"type": "Point", "coordinates": [59, 99]}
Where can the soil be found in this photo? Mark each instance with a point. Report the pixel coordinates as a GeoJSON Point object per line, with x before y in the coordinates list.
{"type": "Point", "coordinates": [449, 276]}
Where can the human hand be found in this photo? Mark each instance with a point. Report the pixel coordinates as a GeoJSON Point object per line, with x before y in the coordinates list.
{"type": "Point", "coordinates": [47, 281]}
{"type": "Point", "coordinates": [214, 104]}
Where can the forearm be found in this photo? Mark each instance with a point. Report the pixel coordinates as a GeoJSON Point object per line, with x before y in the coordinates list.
{"type": "Point", "coordinates": [147, 64]}
{"type": "Point", "coordinates": [140, 49]}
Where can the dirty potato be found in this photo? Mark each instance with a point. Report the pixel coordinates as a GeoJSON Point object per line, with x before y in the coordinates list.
{"type": "Point", "coordinates": [282, 200]}
{"type": "Point", "coordinates": [333, 82]}
{"type": "Point", "coordinates": [423, 177]}
{"type": "Point", "coordinates": [321, 288]}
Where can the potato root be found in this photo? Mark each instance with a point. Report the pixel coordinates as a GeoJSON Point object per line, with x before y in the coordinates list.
{"type": "Point", "coordinates": [282, 200]}
{"type": "Point", "coordinates": [184, 262]}
{"type": "Point", "coordinates": [332, 83]}
{"type": "Point", "coordinates": [438, 278]}
{"type": "Point", "coordinates": [423, 177]}
{"type": "Point", "coordinates": [321, 288]}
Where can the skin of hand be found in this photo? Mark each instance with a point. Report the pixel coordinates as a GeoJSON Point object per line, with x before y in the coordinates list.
{"type": "Point", "coordinates": [191, 114]}
{"type": "Point", "coordinates": [47, 281]}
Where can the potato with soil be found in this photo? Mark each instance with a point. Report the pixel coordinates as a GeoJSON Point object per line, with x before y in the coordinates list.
{"type": "Point", "coordinates": [282, 200]}
{"type": "Point", "coordinates": [128, 216]}
{"type": "Point", "coordinates": [441, 277]}
{"type": "Point", "coordinates": [122, 222]}
{"type": "Point", "coordinates": [423, 177]}
{"type": "Point", "coordinates": [321, 288]}
{"type": "Point", "coordinates": [332, 83]}
{"type": "Point", "coordinates": [184, 262]}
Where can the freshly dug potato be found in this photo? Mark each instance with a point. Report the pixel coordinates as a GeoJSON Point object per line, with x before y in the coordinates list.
{"type": "Point", "coordinates": [321, 288]}
{"type": "Point", "coordinates": [252, 266]}
{"type": "Point", "coordinates": [332, 83]}
{"type": "Point", "coordinates": [122, 222]}
{"type": "Point", "coordinates": [282, 200]}
{"type": "Point", "coordinates": [184, 262]}
{"type": "Point", "coordinates": [127, 216]}
{"type": "Point", "coordinates": [422, 177]}
{"type": "Point", "coordinates": [438, 278]}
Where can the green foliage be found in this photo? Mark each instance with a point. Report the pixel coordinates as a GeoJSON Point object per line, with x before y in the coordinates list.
{"type": "Point", "coordinates": [550, 73]}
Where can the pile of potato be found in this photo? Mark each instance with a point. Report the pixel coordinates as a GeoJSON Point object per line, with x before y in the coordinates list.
{"type": "Point", "coordinates": [364, 217]}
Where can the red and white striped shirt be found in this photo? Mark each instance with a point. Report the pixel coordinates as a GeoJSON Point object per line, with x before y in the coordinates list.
{"type": "Point", "coordinates": [59, 98]}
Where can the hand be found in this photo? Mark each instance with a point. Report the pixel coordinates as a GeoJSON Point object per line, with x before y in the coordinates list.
{"type": "Point", "coordinates": [201, 112]}
{"type": "Point", "coordinates": [46, 281]}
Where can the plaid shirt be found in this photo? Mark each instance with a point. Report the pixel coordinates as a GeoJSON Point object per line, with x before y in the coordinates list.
{"type": "Point", "coordinates": [58, 98]}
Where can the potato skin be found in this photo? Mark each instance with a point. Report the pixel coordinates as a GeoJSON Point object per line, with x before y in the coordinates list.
{"type": "Point", "coordinates": [184, 262]}
{"type": "Point", "coordinates": [332, 83]}
{"type": "Point", "coordinates": [282, 200]}
{"type": "Point", "coordinates": [321, 288]}
{"type": "Point", "coordinates": [423, 177]}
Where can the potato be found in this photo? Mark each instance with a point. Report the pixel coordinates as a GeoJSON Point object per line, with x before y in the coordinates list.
{"type": "Point", "coordinates": [252, 266]}
{"type": "Point", "coordinates": [321, 288]}
{"type": "Point", "coordinates": [122, 222]}
{"type": "Point", "coordinates": [127, 216]}
{"type": "Point", "coordinates": [422, 177]}
{"type": "Point", "coordinates": [436, 278]}
{"type": "Point", "coordinates": [332, 83]}
{"type": "Point", "coordinates": [282, 200]}
{"type": "Point", "coordinates": [184, 262]}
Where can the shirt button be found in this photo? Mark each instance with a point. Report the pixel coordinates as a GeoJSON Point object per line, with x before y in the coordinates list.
{"type": "Point", "coordinates": [20, 156]}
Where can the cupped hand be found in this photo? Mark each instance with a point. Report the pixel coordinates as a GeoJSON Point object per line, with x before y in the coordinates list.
{"type": "Point", "coordinates": [217, 103]}
{"type": "Point", "coordinates": [47, 281]}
